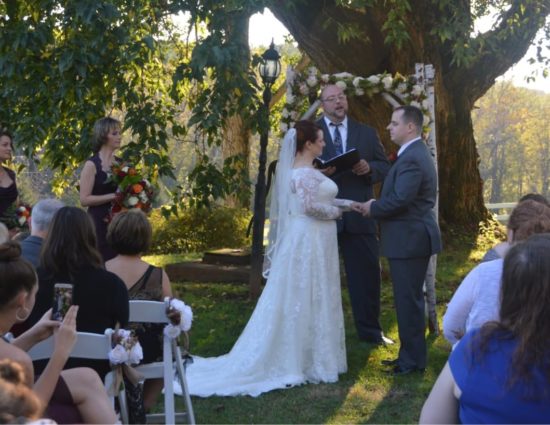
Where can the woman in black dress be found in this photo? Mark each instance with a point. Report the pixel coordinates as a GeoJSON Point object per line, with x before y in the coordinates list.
{"type": "Point", "coordinates": [8, 187]}
{"type": "Point", "coordinates": [130, 236]}
{"type": "Point", "coordinates": [95, 192]}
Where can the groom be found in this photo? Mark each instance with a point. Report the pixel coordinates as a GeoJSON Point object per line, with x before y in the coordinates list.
{"type": "Point", "coordinates": [356, 234]}
{"type": "Point", "coordinates": [409, 233]}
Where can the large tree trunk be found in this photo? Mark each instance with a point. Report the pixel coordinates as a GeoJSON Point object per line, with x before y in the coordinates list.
{"type": "Point", "coordinates": [461, 197]}
{"type": "Point", "coordinates": [236, 133]}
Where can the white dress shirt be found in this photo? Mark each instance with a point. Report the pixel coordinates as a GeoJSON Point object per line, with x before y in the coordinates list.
{"type": "Point", "coordinates": [406, 145]}
{"type": "Point", "coordinates": [342, 128]}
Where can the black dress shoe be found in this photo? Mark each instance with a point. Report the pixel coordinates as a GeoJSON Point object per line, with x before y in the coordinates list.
{"type": "Point", "coordinates": [388, 362]}
{"type": "Point", "coordinates": [400, 370]}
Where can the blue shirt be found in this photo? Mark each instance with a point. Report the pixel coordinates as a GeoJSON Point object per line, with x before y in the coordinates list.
{"type": "Point", "coordinates": [486, 395]}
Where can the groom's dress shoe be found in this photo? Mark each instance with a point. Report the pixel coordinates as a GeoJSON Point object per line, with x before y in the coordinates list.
{"type": "Point", "coordinates": [388, 362]}
{"type": "Point", "coordinates": [400, 370]}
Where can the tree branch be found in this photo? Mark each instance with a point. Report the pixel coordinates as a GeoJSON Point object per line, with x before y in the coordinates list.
{"type": "Point", "coordinates": [502, 47]}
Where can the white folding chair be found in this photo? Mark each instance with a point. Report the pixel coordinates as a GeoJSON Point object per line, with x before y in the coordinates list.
{"type": "Point", "coordinates": [88, 346]}
{"type": "Point", "coordinates": [155, 312]}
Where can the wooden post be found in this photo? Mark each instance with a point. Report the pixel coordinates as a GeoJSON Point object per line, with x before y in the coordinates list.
{"type": "Point", "coordinates": [425, 76]}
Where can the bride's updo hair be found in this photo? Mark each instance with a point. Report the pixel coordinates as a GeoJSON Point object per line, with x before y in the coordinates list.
{"type": "Point", "coordinates": [305, 131]}
{"type": "Point", "coordinates": [16, 273]}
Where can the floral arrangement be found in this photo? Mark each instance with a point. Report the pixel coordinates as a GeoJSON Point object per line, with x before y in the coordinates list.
{"type": "Point", "coordinates": [17, 217]}
{"type": "Point", "coordinates": [181, 318]}
{"type": "Point", "coordinates": [307, 85]}
{"type": "Point", "coordinates": [126, 348]}
{"type": "Point", "coordinates": [133, 190]}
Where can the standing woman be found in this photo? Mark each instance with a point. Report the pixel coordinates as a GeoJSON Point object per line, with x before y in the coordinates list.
{"type": "Point", "coordinates": [95, 192]}
{"type": "Point", "coordinates": [8, 187]}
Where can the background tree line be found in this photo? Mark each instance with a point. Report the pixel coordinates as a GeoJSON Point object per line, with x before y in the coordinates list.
{"type": "Point", "coordinates": [513, 137]}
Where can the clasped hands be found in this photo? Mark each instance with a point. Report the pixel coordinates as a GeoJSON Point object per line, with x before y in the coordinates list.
{"type": "Point", "coordinates": [362, 207]}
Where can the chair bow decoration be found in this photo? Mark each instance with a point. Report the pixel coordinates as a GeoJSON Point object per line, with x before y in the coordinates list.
{"type": "Point", "coordinates": [181, 317]}
{"type": "Point", "coordinates": [126, 352]}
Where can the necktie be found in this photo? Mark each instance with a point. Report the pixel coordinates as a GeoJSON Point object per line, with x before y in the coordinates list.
{"type": "Point", "coordinates": [337, 139]}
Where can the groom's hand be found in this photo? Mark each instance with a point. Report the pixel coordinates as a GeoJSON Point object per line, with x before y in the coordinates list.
{"type": "Point", "coordinates": [366, 207]}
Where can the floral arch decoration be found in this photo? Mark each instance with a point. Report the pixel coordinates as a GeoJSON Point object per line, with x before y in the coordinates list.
{"type": "Point", "coordinates": [307, 85]}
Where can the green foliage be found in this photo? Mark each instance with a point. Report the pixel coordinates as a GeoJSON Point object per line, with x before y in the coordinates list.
{"type": "Point", "coordinates": [199, 229]}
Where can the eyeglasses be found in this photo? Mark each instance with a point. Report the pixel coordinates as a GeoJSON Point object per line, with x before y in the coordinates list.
{"type": "Point", "coordinates": [331, 99]}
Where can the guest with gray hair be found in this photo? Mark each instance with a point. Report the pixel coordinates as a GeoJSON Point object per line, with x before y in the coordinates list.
{"type": "Point", "coordinates": [41, 217]}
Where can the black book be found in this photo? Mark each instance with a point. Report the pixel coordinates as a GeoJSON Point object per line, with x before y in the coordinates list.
{"type": "Point", "coordinates": [342, 162]}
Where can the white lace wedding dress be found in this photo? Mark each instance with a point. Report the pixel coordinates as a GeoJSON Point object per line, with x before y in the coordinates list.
{"type": "Point", "coordinates": [296, 332]}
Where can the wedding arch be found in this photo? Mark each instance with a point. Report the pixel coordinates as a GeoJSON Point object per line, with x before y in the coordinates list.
{"type": "Point", "coordinates": [416, 89]}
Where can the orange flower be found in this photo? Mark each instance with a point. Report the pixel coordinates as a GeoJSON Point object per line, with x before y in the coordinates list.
{"type": "Point", "coordinates": [137, 188]}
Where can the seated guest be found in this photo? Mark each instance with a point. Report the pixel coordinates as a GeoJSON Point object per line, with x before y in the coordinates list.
{"type": "Point", "coordinates": [42, 215]}
{"type": "Point", "coordinates": [499, 250]}
{"type": "Point", "coordinates": [476, 300]}
{"type": "Point", "coordinates": [501, 372]}
{"type": "Point", "coordinates": [54, 387]}
{"type": "Point", "coordinates": [17, 401]}
{"type": "Point", "coordinates": [69, 255]}
{"type": "Point", "coordinates": [129, 234]}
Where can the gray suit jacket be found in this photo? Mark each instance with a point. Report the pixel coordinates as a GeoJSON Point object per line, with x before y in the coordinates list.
{"type": "Point", "coordinates": [404, 211]}
{"type": "Point", "coordinates": [350, 186]}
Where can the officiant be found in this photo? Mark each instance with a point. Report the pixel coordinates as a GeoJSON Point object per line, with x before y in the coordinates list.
{"type": "Point", "coordinates": [356, 234]}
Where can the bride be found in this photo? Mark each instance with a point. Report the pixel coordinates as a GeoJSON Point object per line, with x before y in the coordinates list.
{"type": "Point", "coordinates": [296, 332]}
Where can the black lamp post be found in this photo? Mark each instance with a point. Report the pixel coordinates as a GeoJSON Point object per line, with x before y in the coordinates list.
{"type": "Point", "coordinates": [269, 69]}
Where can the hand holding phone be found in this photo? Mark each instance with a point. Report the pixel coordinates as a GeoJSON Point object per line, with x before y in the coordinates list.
{"type": "Point", "coordinates": [62, 300]}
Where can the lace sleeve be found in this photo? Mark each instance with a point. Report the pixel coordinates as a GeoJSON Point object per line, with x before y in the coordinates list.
{"type": "Point", "coordinates": [306, 186]}
{"type": "Point", "coordinates": [343, 204]}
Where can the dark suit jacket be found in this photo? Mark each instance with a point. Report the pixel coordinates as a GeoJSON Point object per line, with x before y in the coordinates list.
{"type": "Point", "coordinates": [351, 186]}
{"type": "Point", "coordinates": [404, 211]}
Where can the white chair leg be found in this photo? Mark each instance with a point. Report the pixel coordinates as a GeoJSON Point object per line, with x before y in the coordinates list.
{"type": "Point", "coordinates": [183, 382]}
{"type": "Point", "coordinates": [169, 408]}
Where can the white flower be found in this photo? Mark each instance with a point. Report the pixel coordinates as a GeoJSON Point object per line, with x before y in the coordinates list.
{"type": "Point", "coordinates": [172, 331]}
{"type": "Point", "coordinates": [426, 119]}
{"type": "Point", "coordinates": [312, 81]}
{"type": "Point", "coordinates": [312, 70]}
{"type": "Point", "coordinates": [415, 103]}
{"type": "Point", "coordinates": [417, 90]}
{"type": "Point", "coordinates": [285, 113]}
{"type": "Point", "coordinates": [425, 104]}
{"type": "Point", "coordinates": [22, 220]}
{"type": "Point", "coordinates": [303, 89]}
{"type": "Point", "coordinates": [118, 355]}
{"type": "Point", "coordinates": [373, 79]}
{"type": "Point", "coordinates": [290, 74]}
{"type": "Point", "coordinates": [132, 200]}
{"type": "Point", "coordinates": [387, 81]}
{"type": "Point", "coordinates": [357, 81]}
{"type": "Point", "coordinates": [125, 169]}
{"type": "Point", "coordinates": [143, 196]}
{"type": "Point", "coordinates": [136, 354]}
{"type": "Point", "coordinates": [185, 311]}
{"type": "Point", "coordinates": [283, 127]}
{"type": "Point", "coordinates": [186, 318]}
{"type": "Point", "coordinates": [293, 115]}
{"type": "Point", "coordinates": [343, 75]}
{"type": "Point", "coordinates": [359, 92]}
{"type": "Point", "coordinates": [147, 183]}
{"type": "Point", "coordinates": [290, 99]}
{"type": "Point", "coordinates": [401, 88]}
{"type": "Point", "coordinates": [325, 78]}
{"type": "Point", "coordinates": [341, 84]}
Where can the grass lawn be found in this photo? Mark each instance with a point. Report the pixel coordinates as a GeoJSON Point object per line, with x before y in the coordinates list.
{"type": "Point", "coordinates": [365, 394]}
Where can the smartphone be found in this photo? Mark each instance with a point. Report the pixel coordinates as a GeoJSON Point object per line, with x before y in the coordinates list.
{"type": "Point", "coordinates": [62, 300]}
